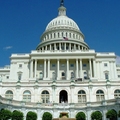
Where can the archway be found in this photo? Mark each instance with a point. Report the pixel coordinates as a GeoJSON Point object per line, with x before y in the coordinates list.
{"type": "Point", "coordinates": [63, 96]}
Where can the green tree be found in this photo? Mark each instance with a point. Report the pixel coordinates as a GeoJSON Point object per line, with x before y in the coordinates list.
{"type": "Point", "coordinates": [31, 116]}
{"type": "Point", "coordinates": [119, 113]}
{"type": "Point", "coordinates": [80, 116]}
{"type": "Point", "coordinates": [97, 115]}
{"type": "Point", "coordinates": [17, 115]}
{"type": "Point", "coordinates": [47, 116]}
{"type": "Point", "coordinates": [111, 114]}
{"type": "Point", "coordinates": [5, 114]}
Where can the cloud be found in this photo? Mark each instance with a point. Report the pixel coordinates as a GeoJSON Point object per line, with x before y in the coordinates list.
{"type": "Point", "coordinates": [118, 59]}
{"type": "Point", "coordinates": [7, 47]}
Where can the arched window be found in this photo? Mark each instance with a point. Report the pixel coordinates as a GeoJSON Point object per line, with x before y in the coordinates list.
{"type": "Point", "coordinates": [63, 75]}
{"type": "Point", "coordinates": [9, 94]}
{"type": "Point", "coordinates": [41, 76]}
{"type": "Point", "coordinates": [81, 96]}
{"type": "Point", "coordinates": [27, 96]}
{"type": "Point", "coordinates": [117, 93]}
{"type": "Point", "coordinates": [100, 95]}
{"type": "Point", "coordinates": [45, 96]}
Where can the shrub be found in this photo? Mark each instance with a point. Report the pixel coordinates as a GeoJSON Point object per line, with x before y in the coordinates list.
{"type": "Point", "coordinates": [80, 116]}
{"type": "Point", "coordinates": [5, 114]}
{"type": "Point", "coordinates": [17, 115]}
{"type": "Point", "coordinates": [111, 114]}
{"type": "Point", "coordinates": [97, 115]}
{"type": "Point", "coordinates": [47, 116]}
{"type": "Point", "coordinates": [31, 116]}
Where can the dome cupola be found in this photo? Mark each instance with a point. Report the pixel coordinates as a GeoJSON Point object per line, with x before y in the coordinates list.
{"type": "Point", "coordinates": [60, 28]}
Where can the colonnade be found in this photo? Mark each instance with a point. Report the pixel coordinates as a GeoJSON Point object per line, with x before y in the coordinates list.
{"type": "Point", "coordinates": [63, 46]}
{"type": "Point", "coordinates": [78, 68]}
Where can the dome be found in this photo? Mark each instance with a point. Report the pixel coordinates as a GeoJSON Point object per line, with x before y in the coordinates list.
{"type": "Point", "coordinates": [62, 21]}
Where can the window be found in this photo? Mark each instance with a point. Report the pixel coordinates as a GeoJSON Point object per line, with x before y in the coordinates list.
{"type": "Point", "coordinates": [41, 75]}
{"type": "Point", "coordinates": [63, 75]}
{"type": "Point", "coordinates": [53, 76]}
{"type": "Point", "coordinates": [85, 75]}
{"type": "Point", "coordinates": [100, 95]}
{"type": "Point", "coordinates": [45, 96]}
{"type": "Point", "coordinates": [106, 76]}
{"type": "Point", "coordinates": [71, 65]}
{"type": "Point", "coordinates": [41, 65]}
{"type": "Point", "coordinates": [118, 76]}
{"type": "Point", "coordinates": [81, 96]}
{"type": "Point", "coordinates": [19, 76]}
{"type": "Point", "coordinates": [63, 65]}
{"type": "Point", "coordinates": [117, 93]}
{"type": "Point", "coordinates": [105, 64]}
{"type": "Point", "coordinates": [72, 75]}
{"type": "Point", "coordinates": [20, 65]}
{"type": "Point", "coordinates": [53, 65]}
{"type": "Point", "coordinates": [7, 77]}
{"type": "Point", "coordinates": [9, 94]}
{"type": "Point", "coordinates": [27, 96]}
{"type": "Point", "coordinates": [84, 65]}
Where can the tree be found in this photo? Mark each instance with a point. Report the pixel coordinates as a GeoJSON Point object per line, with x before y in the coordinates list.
{"type": "Point", "coordinates": [47, 116]}
{"type": "Point", "coordinates": [5, 114]}
{"type": "Point", "coordinates": [119, 113]}
{"type": "Point", "coordinates": [80, 116]}
{"type": "Point", "coordinates": [31, 116]}
{"type": "Point", "coordinates": [111, 114]}
{"type": "Point", "coordinates": [97, 115]}
{"type": "Point", "coordinates": [17, 115]}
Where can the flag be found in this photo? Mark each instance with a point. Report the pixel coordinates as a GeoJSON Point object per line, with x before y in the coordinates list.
{"type": "Point", "coordinates": [65, 38]}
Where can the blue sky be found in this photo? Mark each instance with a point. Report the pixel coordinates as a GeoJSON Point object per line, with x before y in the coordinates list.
{"type": "Point", "coordinates": [23, 21]}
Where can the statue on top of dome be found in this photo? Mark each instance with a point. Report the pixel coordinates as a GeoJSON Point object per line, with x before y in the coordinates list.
{"type": "Point", "coordinates": [62, 3]}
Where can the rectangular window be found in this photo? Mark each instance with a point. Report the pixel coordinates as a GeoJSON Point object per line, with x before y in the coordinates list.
{"type": "Point", "coordinates": [7, 77]}
{"type": "Point", "coordinates": [62, 65]}
{"type": "Point", "coordinates": [71, 65]}
{"type": "Point", "coordinates": [19, 76]}
{"type": "Point", "coordinates": [118, 76]}
{"type": "Point", "coordinates": [53, 65]}
{"type": "Point", "coordinates": [41, 66]}
{"type": "Point", "coordinates": [105, 64]}
{"type": "Point", "coordinates": [20, 65]}
{"type": "Point", "coordinates": [106, 76]}
{"type": "Point", "coordinates": [84, 65]}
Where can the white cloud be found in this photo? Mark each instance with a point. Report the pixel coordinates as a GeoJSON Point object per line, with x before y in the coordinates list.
{"type": "Point", "coordinates": [8, 47]}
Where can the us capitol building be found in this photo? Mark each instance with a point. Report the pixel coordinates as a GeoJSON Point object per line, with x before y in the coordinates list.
{"type": "Point", "coordinates": [62, 74]}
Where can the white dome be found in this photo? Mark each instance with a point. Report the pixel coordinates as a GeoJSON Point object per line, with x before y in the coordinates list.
{"type": "Point", "coordinates": [62, 21]}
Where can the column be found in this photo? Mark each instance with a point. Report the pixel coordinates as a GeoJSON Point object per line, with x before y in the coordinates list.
{"type": "Point", "coordinates": [35, 68]}
{"type": "Point", "coordinates": [31, 69]}
{"type": "Point", "coordinates": [90, 68]}
{"type": "Point", "coordinates": [54, 46]}
{"type": "Point", "coordinates": [76, 68]}
{"type": "Point", "coordinates": [50, 47]}
{"type": "Point", "coordinates": [58, 65]}
{"type": "Point", "coordinates": [81, 75]}
{"type": "Point", "coordinates": [44, 68]}
{"type": "Point", "coordinates": [114, 69]}
{"type": "Point", "coordinates": [67, 69]}
{"type": "Point", "coordinates": [94, 68]}
{"type": "Point", "coordinates": [70, 46]}
{"type": "Point", "coordinates": [100, 66]}
{"type": "Point", "coordinates": [59, 46]}
{"type": "Point", "coordinates": [65, 46]}
{"type": "Point", "coordinates": [78, 47]}
{"type": "Point", "coordinates": [48, 68]}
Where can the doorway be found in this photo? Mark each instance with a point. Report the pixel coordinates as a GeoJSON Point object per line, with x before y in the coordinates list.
{"type": "Point", "coordinates": [63, 96]}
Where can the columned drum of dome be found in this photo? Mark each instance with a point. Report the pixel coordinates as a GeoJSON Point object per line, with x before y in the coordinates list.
{"type": "Point", "coordinates": [60, 28]}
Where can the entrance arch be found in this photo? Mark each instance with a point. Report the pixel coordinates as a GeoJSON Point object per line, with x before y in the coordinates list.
{"type": "Point", "coordinates": [63, 96]}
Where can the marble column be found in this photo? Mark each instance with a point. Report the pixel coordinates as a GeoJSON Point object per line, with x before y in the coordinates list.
{"type": "Point", "coordinates": [94, 68]}
{"type": "Point", "coordinates": [67, 69]}
{"type": "Point", "coordinates": [90, 68]}
{"type": "Point", "coordinates": [31, 69]}
{"type": "Point", "coordinates": [48, 68]}
{"type": "Point", "coordinates": [81, 75]}
{"type": "Point", "coordinates": [76, 68]}
{"type": "Point", "coordinates": [44, 68]}
{"type": "Point", "coordinates": [35, 69]}
{"type": "Point", "coordinates": [58, 67]}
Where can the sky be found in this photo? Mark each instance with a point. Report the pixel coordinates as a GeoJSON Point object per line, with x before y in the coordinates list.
{"type": "Point", "coordinates": [22, 22]}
